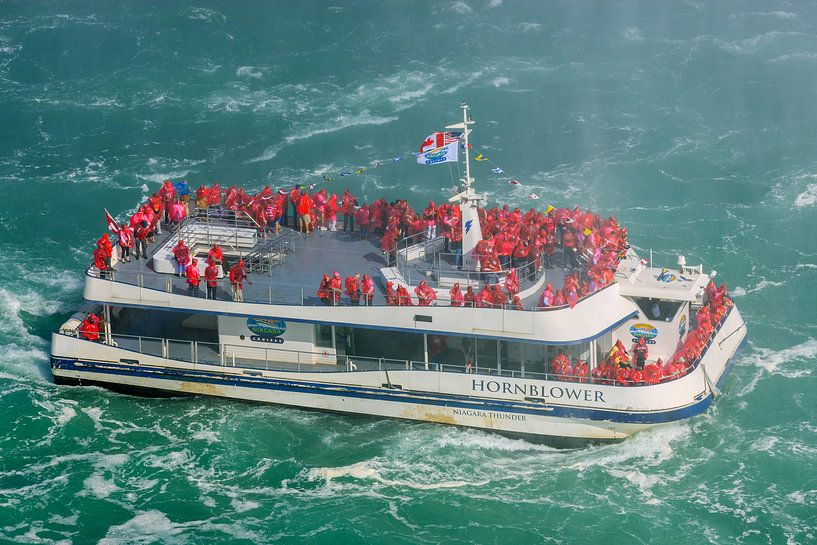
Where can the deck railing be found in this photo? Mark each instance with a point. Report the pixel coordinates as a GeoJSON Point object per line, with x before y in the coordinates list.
{"type": "Point", "coordinates": [269, 295]}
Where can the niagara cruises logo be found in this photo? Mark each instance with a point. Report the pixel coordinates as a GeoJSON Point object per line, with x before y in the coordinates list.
{"type": "Point", "coordinates": [266, 330]}
{"type": "Point", "coordinates": [643, 331]}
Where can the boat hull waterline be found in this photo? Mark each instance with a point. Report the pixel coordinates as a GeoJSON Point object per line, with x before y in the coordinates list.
{"type": "Point", "coordinates": [547, 410]}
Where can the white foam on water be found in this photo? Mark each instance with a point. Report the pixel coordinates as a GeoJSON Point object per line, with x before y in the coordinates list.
{"type": "Point", "coordinates": [66, 415]}
{"type": "Point", "coordinates": [99, 486]}
{"type": "Point", "coordinates": [340, 123]}
{"type": "Point", "coordinates": [370, 471]}
{"type": "Point", "coordinates": [740, 291]}
{"type": "Point", "coordinates": [249, 72]}
{"type": "Point", "coordinates": [775, 14]}
{"type": "Point", "coordinates": [530, 27]}
{"type": "Point", "coordinates": [146, 527]}
{"type": "Point", "coordinates": [641, 480]}
{"type": "Point", "coordinates": [766, 444]}
{"type": "Point", "coordinates": [807, 197]}
{"type": "Point", "coordinates": [206, 435]}
{"type": "Point", "coordinates": [64, 521]}
{"type": "Point", "coordinates": [799, 56]}
{"type": "Point", "coordinates": [95, 414]}
{"type": "Point", "coordinates": [241, 506]}
{"type": "Point", "coordinates": [500, 82]}
{"type": "Point", "coordinates": [633, 34]}
{"type": "Point", "coordinates": [206, 15]}
{"type": "Point", "coordinates": [461, 7]}
{"type": "Point", "coordinates": [470, 440]}
{"type": "Point", "coordinates": [161, 177]}
{"type": "Point", "coordinates": [778, 361]}
{"type": "Point", "coordinates": [650, 447]}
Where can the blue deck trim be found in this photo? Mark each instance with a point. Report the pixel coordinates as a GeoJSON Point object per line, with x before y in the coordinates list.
{"type": "Point", "coordinates": [400, 396]}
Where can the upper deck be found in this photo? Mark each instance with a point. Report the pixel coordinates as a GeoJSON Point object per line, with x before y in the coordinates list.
{"type": "Point", "coordinates": [286, 269]}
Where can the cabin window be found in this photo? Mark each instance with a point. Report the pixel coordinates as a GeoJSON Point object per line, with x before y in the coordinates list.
{"type": "Point", "coordinates": [658, 310]}
{"type": "Point", "coordinates": [323, 336]}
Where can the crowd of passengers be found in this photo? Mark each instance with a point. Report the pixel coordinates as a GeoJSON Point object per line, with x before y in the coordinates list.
{"type": "Point", "coordinates": [624, 369]}
{"type": "Point", "coordinates": [514, 243]}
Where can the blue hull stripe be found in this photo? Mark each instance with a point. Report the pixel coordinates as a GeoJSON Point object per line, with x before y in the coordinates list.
{"type": "Point", "coordinates": [399, 396]}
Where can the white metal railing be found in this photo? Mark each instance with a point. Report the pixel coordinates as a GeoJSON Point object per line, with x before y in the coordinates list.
{"type": "Point", "coordinates": [223, 354]}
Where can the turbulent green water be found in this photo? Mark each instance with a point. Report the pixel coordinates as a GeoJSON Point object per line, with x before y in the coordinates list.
{"type": "Point", "coordinates": [693, 122]}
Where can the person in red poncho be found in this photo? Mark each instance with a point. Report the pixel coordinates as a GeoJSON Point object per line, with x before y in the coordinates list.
{"type": "Point", "coordinates": [469, 298]}
{"type": "Point", "coordinates": [640, 353]}
{"type": "Point", "coordinates": [100, 261]}
{"type": "Point", "coordinates": [456, 295]}
{"type": "Point", "coordinates": [331, 211]}
{"type": "Point", "coordinates": [304, 209]}
{"type": "Point", "coordinates": [193, 278]}
{"type": "Point", "coordinates": [182, 255]}
{"type": "Point", "coordinates": [403, 297]}
{"type": "Point", "coordinates": [324, 291]}
{"type": "Point", "coordinates": [335, 284]}
{"type": "Point", "coordinates": [167, 194]}
{"type": "Point", "coordinates": [425, 294]}
{"type": "Point", "coordinates": [347, 208]}
{"type": "Point", "coordinates": [237, 276]}
{"type": "Point", "coordinates": [105, 245]}
{"type": "Point", "coordinates": [126, 242]}
{"type": "Point", "coordinates": [512, 283]}
{"type": "Point", "coordinates": [367, 290]}
{"type": "Point", "coordinates": [89, 329]}
{"type": "Point", "coordinates": [498, 297]}
{"type": "Point", "coordinates": [391, 295]}
{"type": "Point", "coordinates": [140, 235]}
{"type": "Point", "coordinates": [352, 284]}
{"type": "Point", "coordinates": [211, 279]}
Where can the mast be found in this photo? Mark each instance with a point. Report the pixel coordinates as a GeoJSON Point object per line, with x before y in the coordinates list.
{"type": "Point", "coordinates": [468, 199]}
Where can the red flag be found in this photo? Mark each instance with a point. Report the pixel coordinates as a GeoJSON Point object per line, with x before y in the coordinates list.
{"type": "Point", "coordinates": [112, 225]}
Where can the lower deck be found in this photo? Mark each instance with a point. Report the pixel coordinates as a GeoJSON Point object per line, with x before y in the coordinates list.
{"type": "Point", "coordinates": [203, 338]}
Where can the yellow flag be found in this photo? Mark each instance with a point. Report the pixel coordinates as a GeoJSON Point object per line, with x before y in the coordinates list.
{"type": "Point", "coordinates": [587, 231]}
{"type": "Point", "coordinates": [549, 208]}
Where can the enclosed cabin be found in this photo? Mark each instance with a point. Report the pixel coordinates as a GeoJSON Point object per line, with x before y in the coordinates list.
{"type": "Point", "coordinates": [667, 301]}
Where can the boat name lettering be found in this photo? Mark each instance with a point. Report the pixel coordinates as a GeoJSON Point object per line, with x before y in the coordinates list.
{"type": "Point", "coordinates": [489, 414]}
{"type": "Point", "coordinates": [535, 390]}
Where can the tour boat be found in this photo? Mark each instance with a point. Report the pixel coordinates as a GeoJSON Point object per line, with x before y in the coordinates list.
{"type": "Point", "coordinates": [558, 373]}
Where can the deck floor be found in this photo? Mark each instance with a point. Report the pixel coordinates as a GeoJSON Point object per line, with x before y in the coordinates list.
{"type": "Point", "coordinates": [296, 279]}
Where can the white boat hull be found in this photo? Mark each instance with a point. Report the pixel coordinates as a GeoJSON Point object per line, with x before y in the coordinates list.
{"type": "Point", "coordinates": [555, 411]}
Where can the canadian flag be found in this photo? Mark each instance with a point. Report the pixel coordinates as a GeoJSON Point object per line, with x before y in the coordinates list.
{"type": "Point", "coordinates": [437, 140]}
{"type": "Point", "coordinates": [112, 225]}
